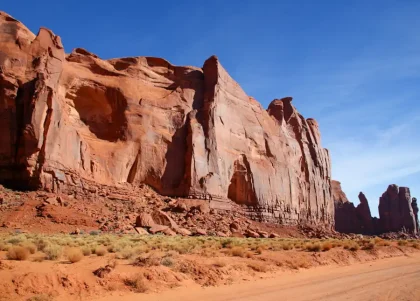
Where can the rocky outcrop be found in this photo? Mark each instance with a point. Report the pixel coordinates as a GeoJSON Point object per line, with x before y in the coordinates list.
{"type": "Point", "coordinates": [397, 212]}
{"type": "Point", "coordinates": [70, 120]}
{"type": "Point", "coordinates": [415, 212]}
{"type": "Point", "coordinates": [348, 218]}
{"type": "Point", "coordinates": [364, 215]}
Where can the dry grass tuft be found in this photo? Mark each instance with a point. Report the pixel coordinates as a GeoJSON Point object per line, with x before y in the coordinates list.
{"type": "Point", "coordinates": [326, 246]}
{"type": "Point", "coordinates": [17, 253]}
{"type": "Point", "coordinates": [53, 252]}
{"type": "Point", "coordinates": [297, 263]}
{"type": "Point", "coordinates": [416, 245]}
{"type": "Point", "coordinates": [137, 283]}
{"type": "Point", "coordinates": [313, 247]}
{"type": "Point", "coordinates": [147, 260]}
{"type": "Point", "coordinates": [74, 255]}
{"type": "Point", "coordinates": [402, 243]}
{"type": "Point", "coordinates": [100, 250]}
{"type": "Point", "coordinates": [238, 252]}
{"type": "Point", "coordinates": [258, 267]}
{"type": "Point", "coordinates": [86, 251]}
{"type": "Point", "coordinates": [353, 247]}
{"type": "Point", "coordinates": [31, 247]}
{"type": "Point", "coordinates": [369, 245]}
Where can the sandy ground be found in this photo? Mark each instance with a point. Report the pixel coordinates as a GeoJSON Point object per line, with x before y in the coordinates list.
{"type": "Point", "coordinates": [383, 280]}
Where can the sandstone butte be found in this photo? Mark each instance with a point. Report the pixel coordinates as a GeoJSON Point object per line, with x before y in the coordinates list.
{"type": "Point", "coordinates": [397, 212]}
{"type": "Point", "coordinates": [71, 120]}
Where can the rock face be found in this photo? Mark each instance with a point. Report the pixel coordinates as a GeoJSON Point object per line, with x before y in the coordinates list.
{"type": "Point", "coordinates": [348, 218]}
{"type": "Point", "coordinates": [70, 120]}
{"type": "Point", "coordinates": [415, 211]}
{"type": "Point", "coordinates": [396, 212]}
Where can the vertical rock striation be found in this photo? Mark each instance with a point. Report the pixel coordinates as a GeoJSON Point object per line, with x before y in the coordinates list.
{"type": "Point", "coordinates": [75, 120]}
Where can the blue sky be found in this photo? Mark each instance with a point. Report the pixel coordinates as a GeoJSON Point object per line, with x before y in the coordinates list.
{"type": "Point", "coordinates": [354, 65]}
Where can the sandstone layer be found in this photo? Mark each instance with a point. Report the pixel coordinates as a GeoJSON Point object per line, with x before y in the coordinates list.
{"type": "Point", "coordinates": [70, 120]}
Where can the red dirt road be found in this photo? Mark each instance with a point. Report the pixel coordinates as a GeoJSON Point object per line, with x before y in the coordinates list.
{"type": "Point", "coordinates": [383, 280]}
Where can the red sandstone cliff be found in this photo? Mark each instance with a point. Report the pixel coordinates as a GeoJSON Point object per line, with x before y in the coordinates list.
{"type": "Point", "coordinates": [70, 120]}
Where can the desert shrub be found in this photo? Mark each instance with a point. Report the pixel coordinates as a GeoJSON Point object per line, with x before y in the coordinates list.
{"type": "Point", "coordinates": [259, 250]}
{"type": "Point", "coordinates": [74, 255]}
{"type": "Point", "coordinates": [147, 260]}
{"type": "Point", "coordinates": [94, 232]}
{"type": "Point", "coordinates": [137, 283]}
{"type": "Point", "coordinates": [313, 247]}
{"type": "Point", "coordinates": [100, 251]}
{"type": "Point", "coordinates": [402, 243]}
{"type": "Point", "coordinates": [126, 253]}
{"type": "Point", "coordinates": [227, 243]}
{"type": "Point", "coordinates": [86, 251]}
{"type": "Point", "coordinates": [258, 267]}
{"type": "Point", "coordinates": [17, 253]}
{"type": "Point", "coordinates": [287, 246]}
{"type": "Point", "coordinates": [353, 247]}
{"type": "Point", "coordinates": [41, 244]}
{"type": "Point", "coordinates": [415, 245]}
{"type": "Point", "coordinates": [326, 246]}
{"type": "Point", "coordinates": [382, 242]}
{"type": "Point", "coordinates": [167, 261]}
{"type": "Point", "coordinates": [369, 246]}
{"type": "Point", "coordinates": [15, 240]}
{"type": "Point", "coordinates": [297, 263]}
{"type": "Point", "coordinates": [249, 254]}
{"type": "Point", "coordinates": [53, 252]}
{"type": "Point", "coordinates": [5, 246]}
{"type": "Point", "coordinates": [238, 251]}
{"type": "Point", "coordinates": [378, 240]}
{"type": "Point", "coordinates": [32, 248]}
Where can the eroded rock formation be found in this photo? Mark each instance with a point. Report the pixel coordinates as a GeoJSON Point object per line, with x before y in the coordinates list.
{"type": "Point", "coordinates": [348, 218]}
{"type": "Point", "coordinates": [70, 120]}
{"type": "Point", "coordinates": [397, 212]}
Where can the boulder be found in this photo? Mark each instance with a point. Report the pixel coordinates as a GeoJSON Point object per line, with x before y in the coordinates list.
{"type": "Point", "coordinates": [221, 234]}
{"type": "Point", "coordinates": [235, 227]}
{"type": "Point", "coordinates": [183, 231]}
{"type": "Point", "coordinates": [251, 233]}
{"type": "Point", "coordinates": [158, 229]}
{"type": "Point", "coordinates": [263, 234]}
{"type": "Point", "coordinates": [145, 220]}
{"type": "Point", "coordinates": [168, 232]}
{"type": "Point", "coordinates": [199, 231]}
{"type": "Point", "coordinates": [141, 231]}
{"type": "Point", "coordinates": [162, 218]}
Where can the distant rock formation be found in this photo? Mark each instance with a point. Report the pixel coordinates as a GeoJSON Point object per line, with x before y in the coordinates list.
{"type": "Point", "coordinates": [70, 120]}
{"type": "Point", "coordinates": [416, 212]}
{"type": "Point", "coordinates": [397, 212]}
{"type": "Point", "coordinates": [348, 218]}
